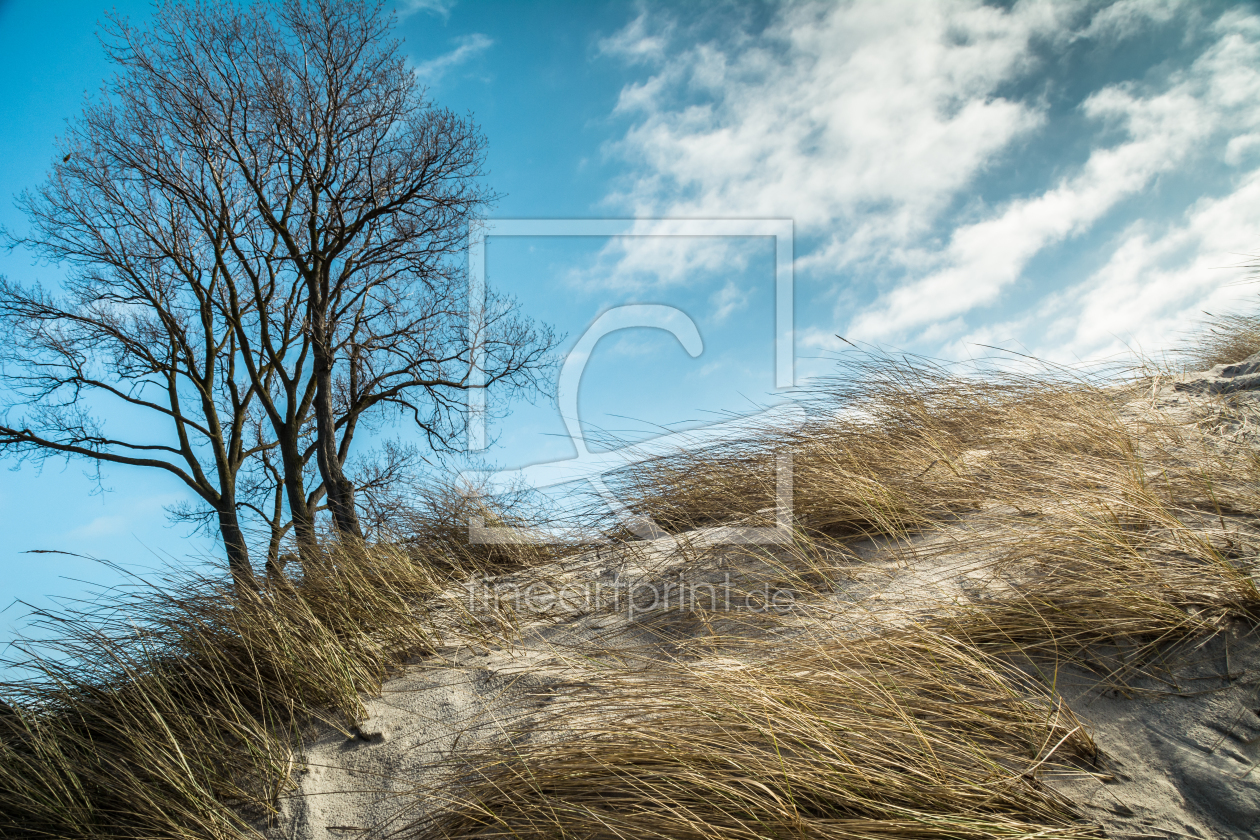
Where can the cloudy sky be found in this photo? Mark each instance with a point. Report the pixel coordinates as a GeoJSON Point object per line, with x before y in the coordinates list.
{"type": "Point", "coordinates": [1074, 180]}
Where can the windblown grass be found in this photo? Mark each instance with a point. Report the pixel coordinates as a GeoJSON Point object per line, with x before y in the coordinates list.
{"type": "Point", "coordinates": [892, 446]}
{"type": "Point", "coordinates": [1116, 528]}
{"type": "Point", "coordinates": [1224, 340]}
{"type": "Point", "coordinates": [910, 736]}
{"type": "Point", "coordinates": [177, 710]}
{"type": "Point", "coordinates": [1108, 525]}
{"type": "Point", "coordinates": [1087, 500]}
{"type": "Point", "coordinates": [431, 524]}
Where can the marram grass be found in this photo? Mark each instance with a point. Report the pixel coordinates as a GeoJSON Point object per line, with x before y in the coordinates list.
{"type": "Point", "coordinates": [1112, 525]}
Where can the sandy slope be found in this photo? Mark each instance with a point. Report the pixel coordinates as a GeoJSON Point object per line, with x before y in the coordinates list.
{"type": "Point", "coordinates": [1177, 753]}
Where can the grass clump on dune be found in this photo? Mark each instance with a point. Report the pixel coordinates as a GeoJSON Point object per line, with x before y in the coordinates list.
{"type": "Point", "coordinates": [1224, 339]}
{"type": "Point", "coordinates": [909, 736]}
{"type": "Point", "coordinates": [1098, 521]}
{"type": "Point", "coordinates": [891, 447]}
{"type": "Point", "coordinates": [1113, 520]}
{"type": "Point", "coordinates": [176, 715]}
{"type": "Point", "coordinates": [1106, 517]}
{"type": "Point", "coordinates": [177, 710]}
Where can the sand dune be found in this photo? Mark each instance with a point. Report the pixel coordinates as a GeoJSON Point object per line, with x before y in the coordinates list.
{"type": "Point", "coordinates": [1175, 737]}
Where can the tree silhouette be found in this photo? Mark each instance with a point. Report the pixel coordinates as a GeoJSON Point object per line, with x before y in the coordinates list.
{"type": "Point", "coordinates": [264, 219]}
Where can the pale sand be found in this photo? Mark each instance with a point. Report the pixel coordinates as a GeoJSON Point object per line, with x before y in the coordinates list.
{"type": "Point", "coordinates": [1177, 755]}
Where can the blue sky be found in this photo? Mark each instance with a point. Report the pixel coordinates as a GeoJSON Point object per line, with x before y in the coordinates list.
{"type": "Point", "coordinates": [1070, 179]}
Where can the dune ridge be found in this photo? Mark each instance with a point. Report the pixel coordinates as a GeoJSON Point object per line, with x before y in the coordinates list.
{"type": "Point", "coordinates": [1008, 603]}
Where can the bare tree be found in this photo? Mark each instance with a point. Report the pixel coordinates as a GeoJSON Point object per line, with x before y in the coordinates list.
{"type": "Point", "coordinates": [280, 168]}
{"type": "Point", "coordinates": [142, 335]}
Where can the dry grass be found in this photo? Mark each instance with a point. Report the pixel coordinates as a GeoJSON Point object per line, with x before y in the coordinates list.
{"type": "Point", "coordinates": [177, 711]}
{"type": "Point", "coordinates": [908, 736]}
{"type": "Point", "coordinates": [1112, 528]}
{"type": "Point", "coordinates": [1115, 530]}
{"type": "Point", "coordinates": [1224, 340]}
{"type": "Point", "coordinates": [893, 447]}
{"type": "Point", "coordinates": [431, 524]}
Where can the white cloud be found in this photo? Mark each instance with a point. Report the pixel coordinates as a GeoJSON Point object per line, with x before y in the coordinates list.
{"type": "Point", "coordinates": [644, 260]}
{"type": "Point", "coordinates": [860, 121]}
{"type": "Point", "coordinates": [1239, 148]}
{"type": "Point", "coordinates": [728, 300]}
{"type": "Point", "coordinates": [1155, 285]}
{"type": "Point", "coordinates": [1164, 128]}
{"type": "Point", "coordinates": [469, 46]}
{"type": "Point", "coordinates": [1126, 18]}
{"type": "Point", "coordinates": [872, 125]}
{"type": "Point", "coordinates": [439, 8]}
{"type": "Point", "coordinates": [637, 42]}
{"type": "Point", "coordinates": [984, 258]}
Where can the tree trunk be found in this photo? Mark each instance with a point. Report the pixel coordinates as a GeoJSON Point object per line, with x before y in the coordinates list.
{"type": "Point", "coordinates": [237, 550]}
{"type": "Point", "coordinates": [340, 489]}
{"type": "Point", "coordinates": [275, 560]}
{"type": "Point", "coordinates": [299, 511]}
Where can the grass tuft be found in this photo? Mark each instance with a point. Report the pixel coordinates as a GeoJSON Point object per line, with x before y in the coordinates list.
{"type": "Point", "coordinates": [1060, 517]}
{"type": "Point", "coordinates": [906, 736]}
